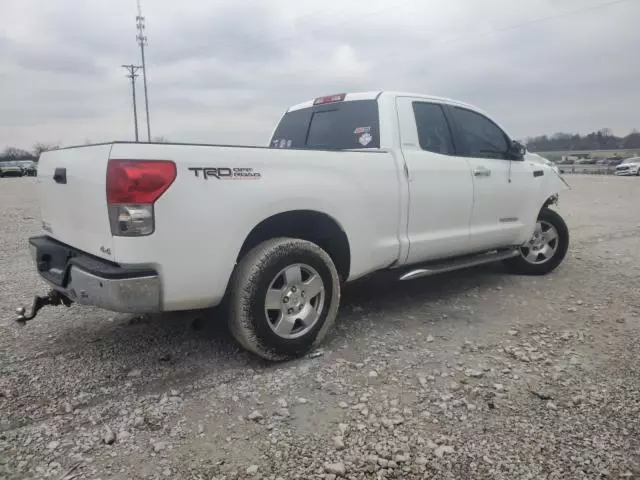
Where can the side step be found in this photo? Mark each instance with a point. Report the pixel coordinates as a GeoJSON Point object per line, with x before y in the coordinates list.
{"type": "Point", "coordinates": [458, 263]}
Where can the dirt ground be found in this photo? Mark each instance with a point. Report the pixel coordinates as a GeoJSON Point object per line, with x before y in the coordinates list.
{"type": "Point", "coordinates": [474, 374]}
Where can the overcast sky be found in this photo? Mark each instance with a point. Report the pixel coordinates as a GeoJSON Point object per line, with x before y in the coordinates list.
{"type": "Point", "coordinates": [224, 71]}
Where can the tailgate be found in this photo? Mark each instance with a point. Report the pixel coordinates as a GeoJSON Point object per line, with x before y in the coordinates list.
{"type": "Point", "coordinates": [73, 201]}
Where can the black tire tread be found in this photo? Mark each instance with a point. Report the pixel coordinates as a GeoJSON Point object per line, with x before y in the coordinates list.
{"type": "Point", "coordinates": [243, 286]}
{"type": "Point", "coordinates": [520, 266]}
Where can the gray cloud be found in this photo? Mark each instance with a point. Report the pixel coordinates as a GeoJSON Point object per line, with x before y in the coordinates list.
{"type": "Point", "coordinates": [224, 72]}
{"type": "Point", "coordinates": [37, 60]}
{"type": "Point", "coordinates": [227, 34]}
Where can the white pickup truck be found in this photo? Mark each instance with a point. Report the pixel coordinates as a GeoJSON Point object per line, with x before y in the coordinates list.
{"type": "Point", "coordinates": [351, 184]}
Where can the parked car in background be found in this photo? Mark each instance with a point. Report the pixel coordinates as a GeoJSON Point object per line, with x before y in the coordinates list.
{"type": "Point", "coordinates": [29, 168]}
{"type": "Point", "coordinates": [630, 166]}
{"type": "Point", "coordinates": [565, 161]}
{"type": "Point", "coordinates": [10, 169]}
{"type": "Point", "coordinates": [615, 160]}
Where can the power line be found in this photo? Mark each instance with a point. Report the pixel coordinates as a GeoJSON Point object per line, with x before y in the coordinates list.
{"type": "Point", "coordinates": [132, 69]}
{"type": "Point", "coordinates": [142, 41]}
{"type": "Point", "coordinates": [535, 21]}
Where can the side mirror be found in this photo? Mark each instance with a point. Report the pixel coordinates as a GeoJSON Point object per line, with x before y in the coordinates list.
{"type": "Point", "coordinates": [517, 150]}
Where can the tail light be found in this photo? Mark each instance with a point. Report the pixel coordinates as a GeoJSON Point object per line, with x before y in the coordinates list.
{"type": "Point", "coordinates": [133, 186]}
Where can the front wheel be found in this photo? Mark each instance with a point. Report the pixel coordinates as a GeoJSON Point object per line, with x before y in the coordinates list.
{"type": "Point", "coordinates": [547, 247]}
{"type": "Point", "coordinates": [284, 297]}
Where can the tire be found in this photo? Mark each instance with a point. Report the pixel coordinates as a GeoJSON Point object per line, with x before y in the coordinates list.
{"type": "Point", "coordinates": [275, 333]}
{"type": "Point", "coordinates": [528, 263]}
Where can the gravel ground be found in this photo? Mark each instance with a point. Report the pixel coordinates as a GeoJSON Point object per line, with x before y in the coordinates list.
{"type": "Point", "coordinates": [474, 374]}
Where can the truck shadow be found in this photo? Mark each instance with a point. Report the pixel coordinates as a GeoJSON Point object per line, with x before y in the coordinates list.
{"type": "Point", "coordinates": [112, 356]}
{"type": "Point", "coordinates": [200, 338]}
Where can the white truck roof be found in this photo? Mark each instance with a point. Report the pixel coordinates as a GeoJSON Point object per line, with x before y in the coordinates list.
{"type": "Point", "coordinates": [372, 95]}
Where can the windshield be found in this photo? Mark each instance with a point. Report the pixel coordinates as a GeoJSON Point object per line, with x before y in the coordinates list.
{"type": "Point", "coordinates": [334, 126]}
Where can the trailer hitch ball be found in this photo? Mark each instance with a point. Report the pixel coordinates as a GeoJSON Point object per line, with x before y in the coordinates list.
{"type": "Point", "coordinates": [52, 298]}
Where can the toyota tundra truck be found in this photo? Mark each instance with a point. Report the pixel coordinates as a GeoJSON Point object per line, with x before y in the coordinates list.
{"type": "Point", "coordinates": [350, 184]}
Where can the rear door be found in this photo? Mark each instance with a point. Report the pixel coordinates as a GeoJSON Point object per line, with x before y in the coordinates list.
{"type": "Point", "coordinates": [72, 190]}
{"type": "Point", "coordinates": [440, 184]}
{"type": "Point", "coordinates": [502, 187]}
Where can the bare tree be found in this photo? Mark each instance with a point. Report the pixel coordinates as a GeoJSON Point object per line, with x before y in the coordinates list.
{"type": "Point", "coordinates": [13, 153]}
{"type": "Point", "coordinates": [38, 148]}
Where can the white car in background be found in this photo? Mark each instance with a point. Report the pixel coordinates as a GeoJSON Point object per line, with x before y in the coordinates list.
{"type": "Point", "coordinates": [631, 166]}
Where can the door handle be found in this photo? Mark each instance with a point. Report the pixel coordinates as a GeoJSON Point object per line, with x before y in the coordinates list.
{"type": "Point", "coordinates": [481, 172]}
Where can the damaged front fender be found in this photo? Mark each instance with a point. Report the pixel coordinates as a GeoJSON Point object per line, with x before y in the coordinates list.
{"type": "Point", "coordinates": [551, 187]}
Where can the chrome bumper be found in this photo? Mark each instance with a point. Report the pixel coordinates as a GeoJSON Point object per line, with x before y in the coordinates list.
{"type": "Point", "coordinates": [120, 289]}
{"type": "Point", "coordinates": [126, 295]}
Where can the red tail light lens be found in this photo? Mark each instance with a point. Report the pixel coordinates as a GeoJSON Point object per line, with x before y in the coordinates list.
{"type": "Point", "coordinates": [138, 181]}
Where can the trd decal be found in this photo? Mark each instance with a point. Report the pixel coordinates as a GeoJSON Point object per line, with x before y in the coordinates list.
{"type": "Point", "coordinates": [225, 173]}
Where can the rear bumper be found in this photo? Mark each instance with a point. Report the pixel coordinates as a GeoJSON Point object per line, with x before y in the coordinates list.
{"type": "Point", "coordinates": [89, 280]}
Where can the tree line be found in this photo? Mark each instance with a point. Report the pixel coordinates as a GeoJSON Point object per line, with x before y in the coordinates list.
{"type": "Point", "coordinates": [12, 153]}
{"type": "Point", "coordinates": [603, 139]}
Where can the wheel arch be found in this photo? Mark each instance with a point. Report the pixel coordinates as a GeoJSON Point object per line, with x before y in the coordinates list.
{"type": "Point", "coordinates": [311, 225]}
{"type": "Point", "coordinates": [552, 200]}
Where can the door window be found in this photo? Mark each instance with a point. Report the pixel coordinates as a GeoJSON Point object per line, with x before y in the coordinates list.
{"type": "Point", "coordinates": [484, 139]}
{"type": "Point", "coordinates": [434, 133]}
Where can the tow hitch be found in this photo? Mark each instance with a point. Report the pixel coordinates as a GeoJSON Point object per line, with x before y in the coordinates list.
{"type": "Point", "coordinates": [53, 298]}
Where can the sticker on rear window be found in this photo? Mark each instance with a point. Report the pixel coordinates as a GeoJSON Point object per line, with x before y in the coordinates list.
{"type": "Point", "coordinates": [362, 130]}
{"type": "Point", "coordinates": [365, 139]}
{"type": "Point", "coordinates": [281, 143]}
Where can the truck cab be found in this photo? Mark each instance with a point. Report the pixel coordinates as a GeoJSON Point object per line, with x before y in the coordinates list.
{"type": "Point", "coordinates": [469, 187]}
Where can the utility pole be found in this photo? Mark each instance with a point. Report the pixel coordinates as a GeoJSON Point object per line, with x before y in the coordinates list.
{"type": "Point", "coordinates": [132, 69]}
{"type": "Point", "coordinates": [142, 41]}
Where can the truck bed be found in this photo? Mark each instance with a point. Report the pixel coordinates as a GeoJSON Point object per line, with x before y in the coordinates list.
{"type": "Point", "coordinates": [219, 195]}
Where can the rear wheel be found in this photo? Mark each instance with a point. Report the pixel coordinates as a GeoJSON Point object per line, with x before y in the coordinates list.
{"type": "Point", "coordinates": [547, 247]}
{"type": "Point", "coordinates": [284, 297]}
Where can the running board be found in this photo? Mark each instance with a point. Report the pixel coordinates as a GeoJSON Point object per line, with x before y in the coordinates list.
{"type": "Point", "coordinates": [459, 263]}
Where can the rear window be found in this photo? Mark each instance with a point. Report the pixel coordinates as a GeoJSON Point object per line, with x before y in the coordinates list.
{"type": "Point", "coordinates": [334, 126]}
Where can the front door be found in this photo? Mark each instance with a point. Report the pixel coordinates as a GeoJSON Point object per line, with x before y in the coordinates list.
{"type": "Point", "coordinates": [440, 183]}
{"type": "Point", "coordinates": [501, 185]}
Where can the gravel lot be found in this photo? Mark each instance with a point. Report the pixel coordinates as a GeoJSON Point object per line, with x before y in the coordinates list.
{"type": "Point", "coordinates": [475, 374]}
